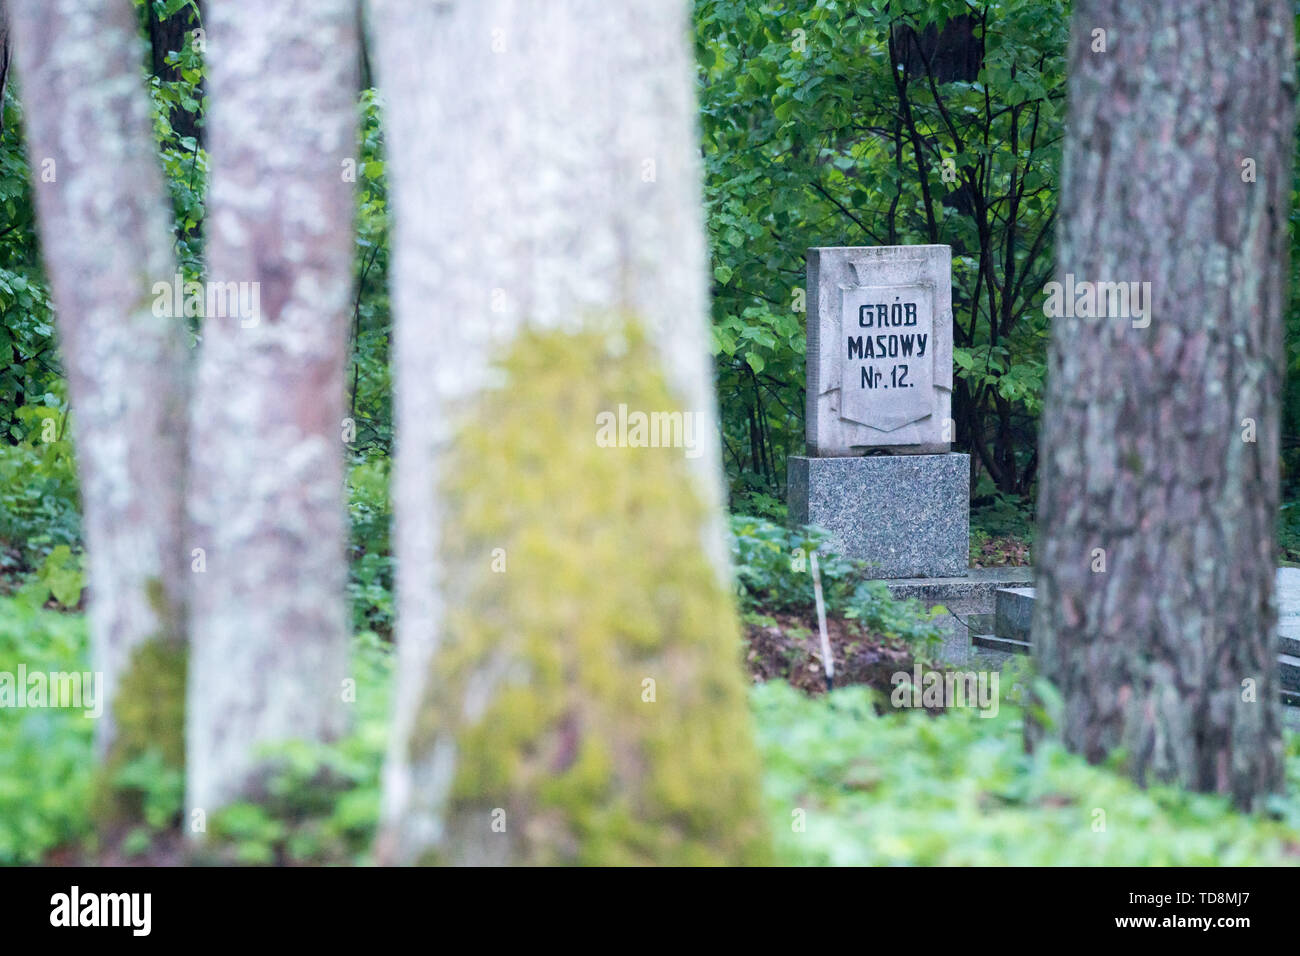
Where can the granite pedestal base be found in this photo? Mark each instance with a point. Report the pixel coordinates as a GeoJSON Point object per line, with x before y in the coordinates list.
{"type": "Point", "coordinates": [908, 515]}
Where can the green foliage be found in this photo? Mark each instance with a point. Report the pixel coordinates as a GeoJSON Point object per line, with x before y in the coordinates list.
{"type": "Point", "coordinates": [323, 803]}
{"type": "Point", "coordinates": [29, 370]}
{"type": "Point", "coordinates": [179, 105]}
{"type": "Point", "coordinates": [770, 562]}
{"type": "Point", "coordinates": [959, 790]}
{"type": "Point", "coordinates": [762, 505]}
{"type": "Point", "coordinates": [903, 788]}
{"type": "Point", "coordinates": [812, 137]}
{"type": "Point", "coordinates": [60, 578]}
{"type": "Point", "coordinates": [996, 514]}
{"type": "Point", "coordinates": [160, 785]}
{"type": "Point", "coordinates": [1001, 528]}
{"type": "Point", "coordinates": [370, 578]}
{"type": "Point", "coordinates": [370, 401]}
{"type": "Point", "coordinates": [39, 510]}
{"type": "Point", "coordinates": [46, 754]}
{"type": "Point", "coordinates": [773, 573]}
{"type": "Point", "coordinates": [871, 604]}
{"type": "Point", "coordinates": [1288, 533]}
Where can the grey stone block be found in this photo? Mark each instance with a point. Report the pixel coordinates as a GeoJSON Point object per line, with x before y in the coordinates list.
{"type": "Point", "coordinates": [974, 591]}
{"type": "Point", "coordinates": [992, 643]}
{"type": "Point", "coordinates": [1288, 610]}
{"type": "Point", "coordinates": [908, 515]}
{"type": "Point", "coordinates": [1289, 671]}
{"type": "Point", "coordinates": [1013, 614]}
{"type": "Point", "coordinates": [969, 602]}
{"type": "Point", "coordinates": [1288, 637]}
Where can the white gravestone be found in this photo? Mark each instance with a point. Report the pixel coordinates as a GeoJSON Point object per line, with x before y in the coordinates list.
{"type": "Point", "coordinates": [879, 349]}
{"type": "Point", "coordinates": [878, 474]}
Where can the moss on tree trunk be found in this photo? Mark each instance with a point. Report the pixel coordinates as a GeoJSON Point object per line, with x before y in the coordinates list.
{"type": "Point", "coordinates": [149, 711]}
{"type": "Point", "coordinates": [586, 704]}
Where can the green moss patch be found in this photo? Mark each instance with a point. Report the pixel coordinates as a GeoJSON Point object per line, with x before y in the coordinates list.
{"type": "Point", "coordinates": [146, 761]}
{"type": "Point", "coordinates": [592, 688]}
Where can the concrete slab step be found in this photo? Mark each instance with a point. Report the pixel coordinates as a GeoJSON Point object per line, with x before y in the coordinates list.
{"type": "Point", "coordinates": [1014, 612]}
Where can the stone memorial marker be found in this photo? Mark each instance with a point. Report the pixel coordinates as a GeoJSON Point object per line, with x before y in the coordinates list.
{"type": "Point", "coordinates": [878, 475]}
{"type": "Point", "coordinates": [879, 349]}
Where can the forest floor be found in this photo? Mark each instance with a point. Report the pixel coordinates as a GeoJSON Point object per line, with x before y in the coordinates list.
{"type": "Point", "coordinates": [998, 551]}
{"type": "Point", "coordinates": [787, 646]}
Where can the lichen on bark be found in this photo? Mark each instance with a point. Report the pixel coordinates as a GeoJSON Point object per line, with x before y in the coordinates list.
{"type": "Point", "coordinates": [106, 238]}
{"type": "Point", "coordinates": [536, 703]}
{"type": "Point", "coordinates": [269, 632]}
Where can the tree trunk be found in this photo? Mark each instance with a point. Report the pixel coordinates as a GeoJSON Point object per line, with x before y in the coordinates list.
{"type": "Point", "coordinates": [1155, 616]}
{"type": "Point", "coordinates": [168, 35]}
{"type": "Point", "coordinates": [569, 685]}
{"type": "Point", "coordinates": [270, 628]}
{"type": "Point", "coordinates": [4, 60]}
{"type": "Point", "coordinates": [103, 213]}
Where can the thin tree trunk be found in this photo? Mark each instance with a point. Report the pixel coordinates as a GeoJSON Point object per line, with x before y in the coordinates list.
{"type": "Point", "coordinates": [168, 35]}
{"type": "Point", "coordinates": [270, 628]}
{"type": "Point", "coordinates": [549, 264]}
{"type": "Point", "coordinates": [4, 59]}
{"type": "Point", "coordinates": [103, 213]}
{"type": "Point", "coordinates": [1155, 616]}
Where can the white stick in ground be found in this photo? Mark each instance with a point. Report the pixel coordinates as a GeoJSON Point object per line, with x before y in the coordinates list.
{"type": "Point", "coordinates": [828, 662]}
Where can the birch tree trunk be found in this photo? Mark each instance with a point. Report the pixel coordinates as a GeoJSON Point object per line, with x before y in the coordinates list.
{"type": "Point", "coordinates": [1155, 612]}
{"type": "Point", "coordinates": [270, 631]}
{"type": "Point", "coordinates": [105, 235]}
{"type": "Point", "coordinates": [569, 685]}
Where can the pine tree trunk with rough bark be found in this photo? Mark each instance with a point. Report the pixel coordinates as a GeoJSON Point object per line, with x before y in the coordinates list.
{"type": "Point", "coordinates": [105, 236]}
{"type": "Point", "coordinates": [569, 683]}
{"type": "Point", "coordinates": [1155, 616]}
{"type": "Point", "coordinates": [270, 625]}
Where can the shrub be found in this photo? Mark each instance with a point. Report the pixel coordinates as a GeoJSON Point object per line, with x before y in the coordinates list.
{"type": "Point", "coordinates": [772, 571]}
{"type": "Point", "coordinates": [770, 562]}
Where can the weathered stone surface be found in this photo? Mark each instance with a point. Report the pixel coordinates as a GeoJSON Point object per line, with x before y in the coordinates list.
{"type": "Point", "coordinates": [909, 515]}
{"type": "Point", "coordinates": [879, 349]}
{"type": "Point", "coordinates": [991, 642]}
{"type": "Point", "coordinates": [1288, 610]}
{"type": "Point", "coordinates": [969, 600]}
{"type": "Point", "coordinates": [1289, 669]}
{"type": "Point", "coordinates": [979, 585]}
{"type": "Point", "coordinates": [1014, 612]}
{"type": "Point", "coordinates": [1289, 639]}
{"type": "Point", "coordinates": [1288, 629]}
